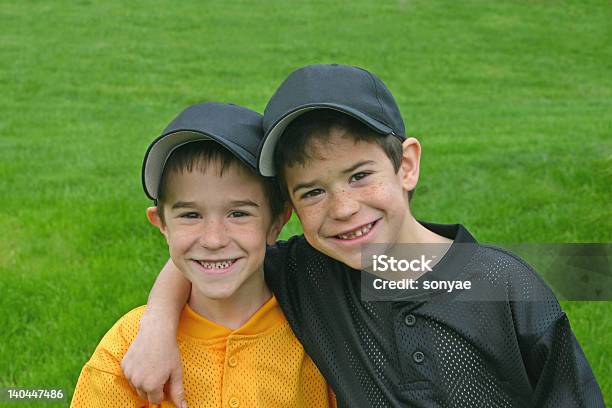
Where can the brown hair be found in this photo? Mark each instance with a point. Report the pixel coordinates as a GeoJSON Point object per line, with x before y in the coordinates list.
{"type": "Point", "coordinates": [201, 154]}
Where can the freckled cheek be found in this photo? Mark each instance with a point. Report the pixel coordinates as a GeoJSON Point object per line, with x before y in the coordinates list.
{"type": "Point", "coordinates": [311, 218]}
{"type": "Point", "coordinates": [178, 250]}
{"type": "Point", "coordinates": [383, 192]}
{"type": "Point", "coordinates": [252, 237]}
{"type": "Point", "coordinates": [180, 241]}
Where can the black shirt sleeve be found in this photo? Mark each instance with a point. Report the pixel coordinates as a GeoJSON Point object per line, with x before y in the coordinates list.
{"type": "Point", "coordinates": [559, 370]}
{"type": "Point", "coordinates": [555, 363]}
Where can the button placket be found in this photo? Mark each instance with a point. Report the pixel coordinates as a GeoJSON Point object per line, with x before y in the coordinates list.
{"type": "Point", "coordinates": [231, 374]}
{"type": "Point", "coordinates": [412, 345]}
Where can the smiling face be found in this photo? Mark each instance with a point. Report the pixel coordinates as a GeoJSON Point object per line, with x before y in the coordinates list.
{"type": "Point", "coordinates": [217, 224]}
{"type": "Point", "coordinates": [347, 194]}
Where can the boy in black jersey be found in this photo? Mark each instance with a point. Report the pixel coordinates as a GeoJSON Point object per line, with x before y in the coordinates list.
{"type": "Point", "coordinates": [336, 140]}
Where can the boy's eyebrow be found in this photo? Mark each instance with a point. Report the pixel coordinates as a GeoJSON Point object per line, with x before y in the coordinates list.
{"type": "Point", "coordinates": [235, 203]}
{"type": "Point", "coordinates": [308, 184]}
{"type": "Point", "coordinates": [183, 204]}
{"type": "Point", "coordinates": [357, 165]}
{"type": "Point", "coordinates": [244, 203]}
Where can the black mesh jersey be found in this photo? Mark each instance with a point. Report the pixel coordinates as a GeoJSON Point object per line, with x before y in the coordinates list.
{"type": "Point", "coordinates": [439, 350]}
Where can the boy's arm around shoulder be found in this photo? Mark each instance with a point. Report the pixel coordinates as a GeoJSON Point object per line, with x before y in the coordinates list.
{"type": "Point", "coordinates": [153, 358]}
{"type": "Point", "coordinates": [101, 383]}
{"type": "Point", "coordinates": [555, 363]}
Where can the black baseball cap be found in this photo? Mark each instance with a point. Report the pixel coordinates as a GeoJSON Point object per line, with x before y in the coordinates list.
{"type": "Point", "coordinates": [344, 88]}
{"type": "Point", "coordinates": [236, 128]}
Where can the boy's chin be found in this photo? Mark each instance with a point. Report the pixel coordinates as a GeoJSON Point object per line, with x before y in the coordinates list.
{"type": "Point", "coordinates": [206, 290]}
{"type": "Point", "coordinates": [220, 294]}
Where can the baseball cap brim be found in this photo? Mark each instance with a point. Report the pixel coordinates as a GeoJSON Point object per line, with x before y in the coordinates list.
{"type": "Point", "coordinates": [266, 153]}
{"type": "Point", "coordinates": [160, 150]}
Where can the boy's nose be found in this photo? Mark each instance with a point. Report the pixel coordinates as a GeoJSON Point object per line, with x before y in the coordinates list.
{"type": "Point", "coordinates": [343, 206]}
{"type": "Point", "coordinates": [213, 235]}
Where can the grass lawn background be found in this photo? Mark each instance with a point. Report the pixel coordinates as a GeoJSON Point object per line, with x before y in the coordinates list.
{"type": "Point", "coordinates": [512, 102]}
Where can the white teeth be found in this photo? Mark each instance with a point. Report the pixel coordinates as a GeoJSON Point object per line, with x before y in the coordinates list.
{"type": "Point", "coordinates": [217, 265]}
{"type": "Point", "coordinates": [357, 233]}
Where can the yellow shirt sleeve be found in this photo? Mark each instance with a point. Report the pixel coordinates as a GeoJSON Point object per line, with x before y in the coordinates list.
{"type": "Point", "coordinates": [101, 383]}
{"type": "Point", "coordinates": [99, 389]}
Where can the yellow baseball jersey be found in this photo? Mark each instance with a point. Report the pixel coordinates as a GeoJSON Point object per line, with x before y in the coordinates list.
{"type": "Point", "coordinates": [261, 364]}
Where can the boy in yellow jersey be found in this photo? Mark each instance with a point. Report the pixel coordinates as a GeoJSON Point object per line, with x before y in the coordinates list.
{"type": "Point", "coordinates": [217, 215]}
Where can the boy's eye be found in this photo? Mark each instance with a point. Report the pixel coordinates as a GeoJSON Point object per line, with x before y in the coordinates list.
{"type": "Point", "coordinates": [312, 193]}
{"type": "Point", "coordinates": [189, 215]}
{"type": "Point", "coordinates": [238, 214]}
{"type": "Point", "coordinates": [359, 176]}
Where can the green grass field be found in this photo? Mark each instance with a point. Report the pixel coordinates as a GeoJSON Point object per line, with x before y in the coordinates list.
{"type": "Point", "coordinates": [512, 101]}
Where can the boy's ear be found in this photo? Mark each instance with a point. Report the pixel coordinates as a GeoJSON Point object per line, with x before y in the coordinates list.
{"type": "Point", "coordinates": [409, 166]}
{"type": "Point", "coordinates": [278, 225]}
{"type": "Point", "coordinates": [155, 219]}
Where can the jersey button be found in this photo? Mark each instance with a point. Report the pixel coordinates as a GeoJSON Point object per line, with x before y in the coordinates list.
{"type": "Point", "coordinates": [234, 402]}
{"type": "Point", "coordinates": [233, 361]}
{"type": "Point", "coordinates": [418, 357]}
{"type": "Point", "coordinates": [410, 320]}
